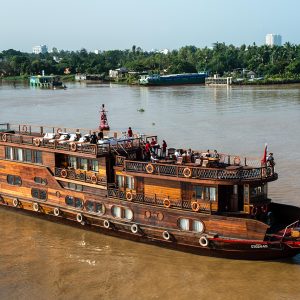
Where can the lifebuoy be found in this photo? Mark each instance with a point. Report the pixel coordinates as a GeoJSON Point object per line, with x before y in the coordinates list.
{"type": "Point", "coordinates": [236, 160]}
{"type": "Point", "coordinates": [73, 147]}
{"type": "Point", "coordinates": [149, 168]}
{"type": "Point", "coordinates": [16, 202]}
{"type": "Point", "coordinates": [79, 217]}
{"type": "Point", "coordinates": [129, 196]}
{"type": "Point", "coordinates": [4, 137]}
{"type": "Point", "coordinates": [58, 130]}
{"type": "Point", "coordinates": [134, 228]}
{"type": "Point", "coordinates": [187, 172]}
{"type": "Point", "coordinates": [56, 211]}
{"type": "Point", "coordinates": [203, 241]}
{"type": "Point", "coordinates": [167, 203]}
{"type": "Point", "coordinates": [36, 207]}
{"type": "Point", "coordinates": [24, 128]}
{"type": "Point", "coordinates": [166, 235]}
{"type": "Point", "coordinates": [195, 206]}
{"type": "Point", "coordinates": [63, 173]}
{"type": "Point", "coordinates": [106, 224]}
{"type": "Point", "coordinates": [37, 142]}
{"type": "Point", "coordinates": [94, 179]}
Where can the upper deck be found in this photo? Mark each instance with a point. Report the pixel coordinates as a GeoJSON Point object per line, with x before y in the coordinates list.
{"type": "Point", "coordinates": [49, 138]}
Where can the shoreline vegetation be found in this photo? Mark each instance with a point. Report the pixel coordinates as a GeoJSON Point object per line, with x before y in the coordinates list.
{"type": "Point", "coordinates": [247, 65]}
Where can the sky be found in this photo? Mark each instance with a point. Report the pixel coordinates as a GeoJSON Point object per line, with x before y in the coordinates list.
{"type": "Point", "coordinates": [151, 24]}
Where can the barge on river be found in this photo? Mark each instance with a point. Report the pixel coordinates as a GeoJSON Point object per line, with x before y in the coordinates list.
{"type": "Point", "coordinates": [217, 207]}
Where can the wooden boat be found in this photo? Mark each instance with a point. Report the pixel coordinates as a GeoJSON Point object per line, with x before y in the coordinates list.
{"type": "Point", "coordinates": [211, 206]}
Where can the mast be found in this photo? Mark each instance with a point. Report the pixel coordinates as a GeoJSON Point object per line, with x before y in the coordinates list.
{"type": "Point", "coordinates": [103, 119]}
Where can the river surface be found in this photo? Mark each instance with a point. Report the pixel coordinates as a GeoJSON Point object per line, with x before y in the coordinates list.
{"type": "Point", "coordinates": [40, 259]}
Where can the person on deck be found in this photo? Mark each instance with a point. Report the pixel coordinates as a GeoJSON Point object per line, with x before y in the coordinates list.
{"type": "Point", "coordinates": [216, 154]}
{"type": "Point", "coordinates": [129, 132]}
{"type": "Point", "coordinates": [93, 138]}
{"type": "Point", "coordinates": [164, 149]}
{"type": "Point", "coordinates": [100, 135]}
{"type": "Point", "coordinates": [147, 150]}
{"type": "Point", "coordinates": [270, 160]}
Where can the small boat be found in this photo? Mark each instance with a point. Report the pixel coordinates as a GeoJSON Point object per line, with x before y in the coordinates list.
{"type": "Point", "coordinates": [44, 81]}
{"type": "Point", "coordinates": [173, 79]}
{"type": "Point", "coordinates": [210, 205]}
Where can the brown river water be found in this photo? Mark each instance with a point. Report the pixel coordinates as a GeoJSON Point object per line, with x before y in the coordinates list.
{"type": "Point", "coordinates": [40, 259]}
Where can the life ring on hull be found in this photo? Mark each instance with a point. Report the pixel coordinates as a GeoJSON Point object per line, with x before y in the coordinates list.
{"type": "Point", "coordinates": [134, 228]}
{"type": "Point", "coordinates": [203, 241]}
{"type": "Point", "coordinates": [94, 179]}
{"type": "Point", "coordinates": [4, 137]}
{"type": "Point", "coordinates": [37, 142]}
{"type": "Point", "coordinates": [73, 147]}
{"type": "Point", "coordinates": [166, 235]}
{"type": "Point", "coordinates": [56, 211]}
{"type": "Point", "coordinates": [195, 206]}
{"type": "Point", "coordinates": [149, 168]}
{"type": "Point", "coordinates": [129, 196]}
{"type": "Point", "coordinates": [16, 202]}
{"type": "Point", "coordinates": [63, 173]}
{"type": "Point", "coordinates": [167, 203]}
{"type": "Point", "coordinates": [187, 172]}
{"type": "Point", "coordinates": [36, 207]}
{"type": "Point", "coordinates": [79, 218]}
{"type": "Point", "coordinates": [106, 224]}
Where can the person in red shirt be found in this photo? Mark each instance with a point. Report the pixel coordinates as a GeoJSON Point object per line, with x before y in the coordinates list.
{"type": "Point", "coordinates": [129, 132]}
{"type": "Point", "coordinates": [147, 150]}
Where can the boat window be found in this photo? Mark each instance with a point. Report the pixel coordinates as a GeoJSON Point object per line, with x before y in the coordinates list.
{"type": "Point", "coordinates": [198, 226]}
{"type": "Point", "coordinates": [94, 165]}
{"type": "Point", "coordinates": [27, 155]}
{"type": "Point", "coordinates": [120, 181]}
{"type": "Point", "coordinates": [18, 154]}
{"type": "Point", "coordinates": [93, 206]}
{"type": "Point", "coordinates": [116, 211]}
{"type": "Point", "coordinates": [37, 155]}
{"type": "Point", "coordinates": [78, 202]}
{"type": "Point", "coordinates": [210, 193]}
{"type": "Point", "coordinates": [130, 182]}
{"type": "Point", "coordinates": [74, 186]}
{"type": "Point", "coordinates": [9, 153]}
{"type": "Point", "coordinates": [69, 200]}
{"type": "Point", "coordinates": [73, 162]}
{"type": "Point", "coordinates": [14, 180]}
{"type": "Point", "coordinates": [199, 192]}
{"type": "Point", "coordinates": [83, 164]}
{"type": "Point", "coordinates": [184, 224]}
{"type": "Point", "coordinates": [128, 214]}
{"type": "Point", "coordinates": [39, 194]}
{"type": "Point", "coordinates": [40, 180]}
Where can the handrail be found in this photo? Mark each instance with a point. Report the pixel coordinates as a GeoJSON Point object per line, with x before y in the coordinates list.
{"type": "Point", "coordinates": [196, 172]}
{"type": "Point", "coordinates": [286, 228]}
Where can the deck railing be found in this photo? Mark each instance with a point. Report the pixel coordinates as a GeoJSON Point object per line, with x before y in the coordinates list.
{"type": "Point", "coordinates": [87, 148]}
{"type": "Point", "coordinates": [155, 200]}
{"type": "Point", "coordinates": [196, 172]}
{"type": "Point", "coordinates": [80, 175]}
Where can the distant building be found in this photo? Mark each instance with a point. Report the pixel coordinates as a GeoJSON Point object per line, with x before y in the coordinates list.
{"type": "Point", "coordinates": [97, 51]}
{"type": "Point", "coordinates": [273, 39]}
{"type": "Point", "coordinates": [40, 49]}
{"type": "Point", "coordinates": [118, 73]}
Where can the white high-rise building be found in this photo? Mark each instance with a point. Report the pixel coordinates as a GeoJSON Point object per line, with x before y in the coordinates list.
{"type": "Point", "coordinates": [273, 39]}
{"type": "Point", "coordinates": [40, 49]}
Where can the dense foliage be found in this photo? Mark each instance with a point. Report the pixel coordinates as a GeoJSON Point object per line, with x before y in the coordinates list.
{"type": "Point", "coordinates": [283, 61]}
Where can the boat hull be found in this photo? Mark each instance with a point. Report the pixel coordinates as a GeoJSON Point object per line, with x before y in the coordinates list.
{"type": "Point", "coordinates": [217, 247]}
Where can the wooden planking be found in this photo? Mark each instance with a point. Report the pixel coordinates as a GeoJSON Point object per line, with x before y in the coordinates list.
{"type": "Point", "coordinates": [2, 151]}
{"type": "Point", "coordinates": [162, 188]}
{"type": "Point", "coordinates": [49, 160]}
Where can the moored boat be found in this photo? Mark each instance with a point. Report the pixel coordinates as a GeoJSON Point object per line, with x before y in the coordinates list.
{"type": "Point", "coordinates": [173, 79]}
{"type": "Point", "coordinates": [211, 205]}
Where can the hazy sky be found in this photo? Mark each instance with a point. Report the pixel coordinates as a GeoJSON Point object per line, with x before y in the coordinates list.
{"type": "Point", "coordinates": [150, 24]}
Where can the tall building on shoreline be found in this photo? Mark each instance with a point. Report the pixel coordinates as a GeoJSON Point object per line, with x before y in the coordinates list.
{"type": "Point", "coordinates": [40, 49]}
{"type": "Point", "coordinates": [273, 39]}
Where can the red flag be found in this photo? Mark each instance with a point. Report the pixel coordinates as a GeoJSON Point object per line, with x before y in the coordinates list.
{"type": "Point", "coordinates": [264, 158]}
